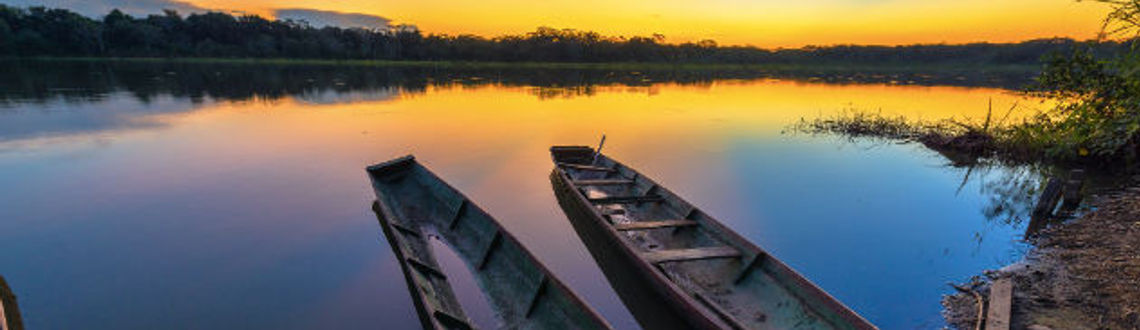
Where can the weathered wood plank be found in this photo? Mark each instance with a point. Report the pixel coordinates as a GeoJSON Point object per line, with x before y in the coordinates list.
{"type": "Point", "coordinates": [1072, 195]}
{"type": "Point", "coordinates": [626, 199]}
{"type": "Point", "coordinates": [1001, 299]}
{"type": "Point", "coordinates": [587, 167]}
{"type": "Point", "coordinates": [602, 182]}
{"type": "Point", "coordinates": [644, 225]}
{"type": "Point", "coordinates": [690, 254]}
{"type": "Point", "coordinates": [1046, 203]}
{"type": "Point", "coordinates": [1049, 198]}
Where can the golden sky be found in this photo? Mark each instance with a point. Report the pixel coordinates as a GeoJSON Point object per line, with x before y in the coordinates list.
{"type": "Point", "coordinates": [764, 23]}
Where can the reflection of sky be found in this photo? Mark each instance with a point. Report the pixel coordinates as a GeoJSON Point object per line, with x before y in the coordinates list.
{"type": "Point", "coordinates": [255, 214]}
{"type": "Point", "coordinates": [28, 125]}
{"type": "Point", "coordinates": [59, 117]}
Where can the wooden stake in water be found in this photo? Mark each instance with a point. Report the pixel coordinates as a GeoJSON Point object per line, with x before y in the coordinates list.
{"type": "Point", "coordinates": [598, 151]}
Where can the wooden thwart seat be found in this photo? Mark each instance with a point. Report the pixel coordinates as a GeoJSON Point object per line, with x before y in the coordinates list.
{"type": "Point", "coordinates": [587, 167]}
{"type": "Point", "coordinates": [603, 182]}
{"type": "Point", "coordinates": [644, 225]}
{"type": "Point", "coordinates": [626, 199]}
{"type": "Point", "coordinates": [690, 254]}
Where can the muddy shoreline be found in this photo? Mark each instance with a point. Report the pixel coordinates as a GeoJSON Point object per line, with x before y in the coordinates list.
{"type": "Point", "coordinates": [1081, 274]}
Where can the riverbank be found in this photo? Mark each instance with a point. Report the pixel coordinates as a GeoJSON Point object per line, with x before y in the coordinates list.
{"type": "Point", "coordinates": [1083, 274]}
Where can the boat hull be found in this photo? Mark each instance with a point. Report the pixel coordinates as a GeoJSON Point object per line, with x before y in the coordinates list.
{"type": "Point", "coordinates": [695, 268]}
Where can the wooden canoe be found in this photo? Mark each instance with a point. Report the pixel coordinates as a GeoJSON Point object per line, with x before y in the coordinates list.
{"type": "Point", "coordinates": [9, 310]}
{"type": "Point", "coordinates": [655, 247]}
{"type": "Point", "coordinates": [412, 202]}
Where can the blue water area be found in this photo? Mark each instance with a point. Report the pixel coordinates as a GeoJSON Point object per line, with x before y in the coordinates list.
{"type": "Point", "coordinates": [124, 206]}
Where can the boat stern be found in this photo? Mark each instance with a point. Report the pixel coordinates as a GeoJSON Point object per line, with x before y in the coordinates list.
{"type": "Point", "coordinates": [572, 154]}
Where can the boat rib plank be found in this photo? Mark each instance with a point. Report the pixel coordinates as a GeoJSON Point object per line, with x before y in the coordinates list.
{"type": "Point", "coordinates": [458, 214]}
{"type": "Point", "coordinates": [644, 225]}
{"type": "Point", "coordinates": [626, 199]}
{"type": "Point", "coordinates": [538, 291]}
{"type": "Point", "coordinates": [690, 254]}
{"type": "Point", "coordinates": [602, 182]}
{"type": "Point", "coordinates": [495, 241]}
{"type": "Point", "coordinates": [587, 167]}
{"type": "Point", "coordinates": [747, 268]}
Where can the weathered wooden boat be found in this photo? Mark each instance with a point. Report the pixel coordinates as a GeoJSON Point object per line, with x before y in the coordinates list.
{"type": "Point", "coordinates": [9, 310]}
{"type": "Point", "coordinates": [654, 246]}
{"type": "Point", "coordinates": [412, 202]}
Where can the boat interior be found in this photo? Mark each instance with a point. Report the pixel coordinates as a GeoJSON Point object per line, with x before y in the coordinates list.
{"type": "Point", "coordinates": [412, 203]}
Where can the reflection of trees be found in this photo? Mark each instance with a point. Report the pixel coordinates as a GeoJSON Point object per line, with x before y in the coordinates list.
{"type": "Point", "coordinates": [566, 92]}
{"type": "Point", "coordinates": [1012, 193]}
{"type": "Point", "coordinates": [546, 93]}
{"type": "Point", "coordinates": [78, 81]}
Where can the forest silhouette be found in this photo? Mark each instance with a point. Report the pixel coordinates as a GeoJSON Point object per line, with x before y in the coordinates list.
{"type": "Point", "coordinates": [40, 31]}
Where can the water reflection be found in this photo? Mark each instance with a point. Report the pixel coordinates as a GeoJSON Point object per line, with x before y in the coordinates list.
{"type": "Point", "coordinates": [233, 196]}
{"type": "Point", "coordinates": [81, 81]}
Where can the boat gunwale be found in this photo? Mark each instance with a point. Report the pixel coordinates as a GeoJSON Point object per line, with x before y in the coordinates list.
{"type": "Point", "coordinates": [730, 236]}
{"type": "Point", "coordinates": [549, 277]}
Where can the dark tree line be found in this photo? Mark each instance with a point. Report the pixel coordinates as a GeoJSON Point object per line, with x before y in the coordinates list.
{"type": "Point", "coordinates": [39, 31]}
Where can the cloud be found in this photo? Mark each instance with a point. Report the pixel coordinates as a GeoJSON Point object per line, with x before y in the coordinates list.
{"type": "Point", "coordinates": [99, 8]}
{"type": "Point", "coordinates": [321, 18]}
{"type": "Point", "coordinates": [142, 8]}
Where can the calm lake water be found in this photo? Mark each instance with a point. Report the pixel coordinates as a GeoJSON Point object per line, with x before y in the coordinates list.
{"type": "Point", "coordinates": [136, 196]}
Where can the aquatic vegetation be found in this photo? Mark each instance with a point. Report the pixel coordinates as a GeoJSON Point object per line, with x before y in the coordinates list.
{"type": "Point", "coordinates": [1096, 122]}
{"type": "Point", "coordinates": [963, 142]}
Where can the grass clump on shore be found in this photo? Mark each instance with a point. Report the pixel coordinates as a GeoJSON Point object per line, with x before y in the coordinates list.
{"type": "Point", "coordinates": [962, 142]}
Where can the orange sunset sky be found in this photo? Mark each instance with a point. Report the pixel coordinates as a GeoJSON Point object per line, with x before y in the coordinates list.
{"type": "Point", "coordinates": [764, 23]}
